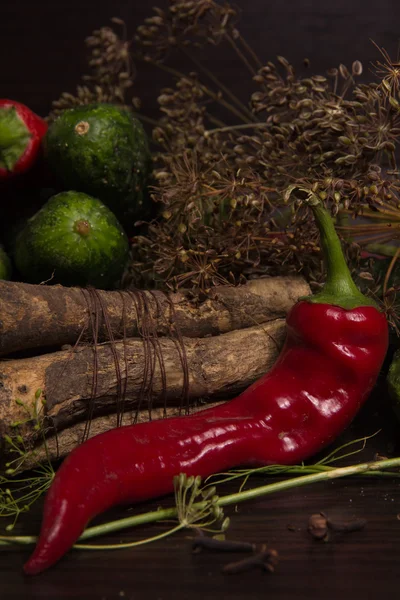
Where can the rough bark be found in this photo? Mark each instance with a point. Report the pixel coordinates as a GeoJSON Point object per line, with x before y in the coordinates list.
{"type": "Point", "coordinates": [42, 316]}
{"type": "Point", "coordinates": [217, 367]}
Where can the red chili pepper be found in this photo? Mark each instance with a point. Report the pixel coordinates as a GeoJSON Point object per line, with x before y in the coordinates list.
{"type": "Point", "coordinates": [336, 343]}
{"type": "Point", "coordinates": [21, 133]}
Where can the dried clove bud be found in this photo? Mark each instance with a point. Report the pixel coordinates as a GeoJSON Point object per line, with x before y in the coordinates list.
{"type": "Point", "coordinates": [356, 525]}
{"type": "Point", "coordinates": [320, 526]}
{"type": "Point", "coordinates": [202, 542]}
{"type": "Point", "coordinates": [266, 560]}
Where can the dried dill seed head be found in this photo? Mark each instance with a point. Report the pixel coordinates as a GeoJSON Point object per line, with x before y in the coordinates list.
{"type": "Point", "coordinates": [182, 124]}
{"type": "Point", "coordinates": [112, 72]}
{"type": "Point", "coordinates": [221, 166]}
{"type": "Point", "coordinates": [221, 187]}
{"type": "Point", "coordinates": [184, 24]}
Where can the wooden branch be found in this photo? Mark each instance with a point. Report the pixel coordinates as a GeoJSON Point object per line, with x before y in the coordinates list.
{"type": "Point", "coordinates": [217, 367]}
{"type": "Point", "coordinates": [42, 316]}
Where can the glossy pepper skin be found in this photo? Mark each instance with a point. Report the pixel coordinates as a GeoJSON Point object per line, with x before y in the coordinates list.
{"type": "Point", "coordinates": [21, 133]}
{"type": "Point", "coordinates": [329, 363]}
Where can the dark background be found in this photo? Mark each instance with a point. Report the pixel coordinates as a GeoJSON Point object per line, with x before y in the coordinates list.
{"type": "Point", "coordinates": [42, 48]}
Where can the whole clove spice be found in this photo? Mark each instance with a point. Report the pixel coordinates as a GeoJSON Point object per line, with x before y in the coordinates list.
{"type": "Point", "coordinates": [266, 560]}
{"type": "Point", "coordinates": [203, 542]}
{"type": "Point", "coordinates": [356, 525]}
{"type": "Point", "coordinates": [320, 526]}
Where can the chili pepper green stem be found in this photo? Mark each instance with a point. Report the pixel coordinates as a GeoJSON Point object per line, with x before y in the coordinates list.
{"type": "Point", "coordinates": [7, 136]}
{"type": "Point", "coordinates": [169, 513]}
{"type": "Point", "coordinates": [339, 289]}
{"type": "Point", "coordinates": [14, 136]}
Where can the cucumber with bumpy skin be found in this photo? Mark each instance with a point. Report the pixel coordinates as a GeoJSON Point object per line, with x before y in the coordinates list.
{"type": "Point", "coordinates": [102, 150]}
{"type": "Point", "coordinates": [74, 239]}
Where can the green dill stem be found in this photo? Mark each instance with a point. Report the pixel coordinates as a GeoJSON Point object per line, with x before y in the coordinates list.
{"type": "Point", "coordinates": [169, 513]}
{"type": "Point", "coordinates": [129, 544]}
{"type": "Point", "coordinates": [309, 470]}
{"type": "Point", "coordinates": [24, 540]}
{"type": "Point", "coordinates": [307, 479]}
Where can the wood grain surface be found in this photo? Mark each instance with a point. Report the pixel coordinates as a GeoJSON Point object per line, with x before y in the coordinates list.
{"type": "Point", "coordinates": [361, 565]}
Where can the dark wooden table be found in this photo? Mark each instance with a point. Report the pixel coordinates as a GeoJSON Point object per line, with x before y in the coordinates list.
{"type": "Point", "coordinates": [360, 565]}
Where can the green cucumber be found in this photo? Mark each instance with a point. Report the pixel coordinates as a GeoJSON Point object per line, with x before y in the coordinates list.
{"type": "Point", "coordinates": [102, 150]}
{"type": "Point", "coordinates": [74, 239]}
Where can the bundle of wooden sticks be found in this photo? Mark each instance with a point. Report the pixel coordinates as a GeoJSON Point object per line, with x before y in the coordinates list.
{"type": "Point", "coordinates": [87, 360]}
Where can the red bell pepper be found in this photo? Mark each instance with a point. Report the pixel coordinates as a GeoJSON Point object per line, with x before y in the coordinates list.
{"type": "Point", "coordinates": [335, 346]}
{"type": "Point", "coordinates": [21, 133]}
